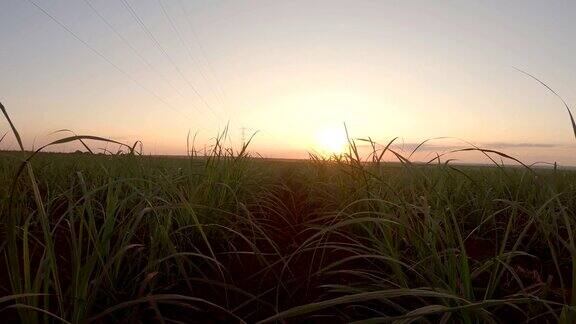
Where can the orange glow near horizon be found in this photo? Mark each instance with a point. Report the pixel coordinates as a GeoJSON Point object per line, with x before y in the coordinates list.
{"type": "Point", "coordinates": [294, 71]}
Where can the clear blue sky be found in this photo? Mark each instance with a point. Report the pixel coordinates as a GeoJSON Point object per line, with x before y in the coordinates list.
{"type": "Point", "coordinates": [295, 70]}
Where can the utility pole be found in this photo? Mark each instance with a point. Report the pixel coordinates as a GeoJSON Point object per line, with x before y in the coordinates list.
{"type": "Point", "coordinates": [243, 135]}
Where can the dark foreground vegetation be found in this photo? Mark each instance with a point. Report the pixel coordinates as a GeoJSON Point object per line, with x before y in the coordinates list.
{"type": "Point", "coordinates": [228, 238]}
{"type": "Point", "coordinates": [89, 238]}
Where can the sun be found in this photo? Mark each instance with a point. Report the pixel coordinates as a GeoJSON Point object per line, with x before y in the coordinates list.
{"type": "Point", "coordinates": [330, 140]}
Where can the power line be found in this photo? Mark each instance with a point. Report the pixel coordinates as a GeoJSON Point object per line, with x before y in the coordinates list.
{"type": "Point", "coordinates": [187, 48]}
{"type": "Point", "coordinates": [202, 51]}
{"type": "Point", "coordinates": [132, 48]}
{"type": "Point", "coordinates": [102, 56]}
{"type": "Point", "coordinates": [165, 53]}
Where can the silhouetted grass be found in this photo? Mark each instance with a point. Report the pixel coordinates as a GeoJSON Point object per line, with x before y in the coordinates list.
{"type": "Point", "coordinates": [232, 238]}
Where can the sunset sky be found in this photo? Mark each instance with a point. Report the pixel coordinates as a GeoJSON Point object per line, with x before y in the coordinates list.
{"type": "Point", "coordinates": [293, 70]}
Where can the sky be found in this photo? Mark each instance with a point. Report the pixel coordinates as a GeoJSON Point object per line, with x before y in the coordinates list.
{"type": "Point", "coordinates": [294, 71]}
